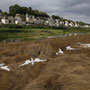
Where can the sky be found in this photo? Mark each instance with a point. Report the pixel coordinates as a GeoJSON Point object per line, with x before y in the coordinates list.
{"type": "Point", "coordinates": [77, 10]}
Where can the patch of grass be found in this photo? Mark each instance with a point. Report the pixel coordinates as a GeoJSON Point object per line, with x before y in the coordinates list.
{"type": "Point", "coordinates": [26, 34]}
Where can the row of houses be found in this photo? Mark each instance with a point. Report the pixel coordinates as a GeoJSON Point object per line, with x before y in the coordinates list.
{"type": "Point", "coordinates": [30, 19]}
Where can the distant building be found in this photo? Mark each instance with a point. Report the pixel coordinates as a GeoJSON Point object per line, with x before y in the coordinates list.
{"type": "Point", "coordinates": [18, 19]}
{"type": "Point", "coordinates": [50, 22]}
{"type": "Point", "coordinates": [66, 23]}
{"type": "Point", "coordinates": [76, 24]}
{"type": "Point", "coordinates": [5, 20]}
{"type": "Point", "coordinates": [27, 18]}
{"type": "Point", "coordinates": [57, 22]}
{"type": "Point", "coordinates": [87, 26]}
{"type": "Point", "coordinates": [71, 24]}
{"type": "Point", "coordinates": [30, 19]}
{"type": "Point", "coordinates": [61, 23]}
{"type": "Point", "coordinates": [11, 20]}
{"type": "Point", "coordinates": [38, 21]}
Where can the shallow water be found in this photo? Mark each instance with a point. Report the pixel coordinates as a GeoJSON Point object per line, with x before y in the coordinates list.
{"type": "Point", "coordinates": [66, 35]}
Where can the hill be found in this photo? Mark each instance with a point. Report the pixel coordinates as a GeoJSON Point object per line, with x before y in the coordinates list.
{"type": "Point", "coordinates": [27, 16]}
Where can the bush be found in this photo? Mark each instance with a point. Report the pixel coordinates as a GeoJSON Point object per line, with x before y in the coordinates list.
{"type": "Point", "coordinates": [11, 26]}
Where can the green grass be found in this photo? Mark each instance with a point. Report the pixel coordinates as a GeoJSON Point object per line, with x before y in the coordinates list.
{"type": "Point", "coordinates": [36, 33]}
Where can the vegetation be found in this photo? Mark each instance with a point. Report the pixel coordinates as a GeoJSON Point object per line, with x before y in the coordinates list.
{"type": "Point", "coordinates": [0, 11]}
{"type": "Point", "coordinates": [16, 9]}
{"type": "Point", "coordinates": [55, 17]}
{"type": "Point", "coordinates": [70, 71]}
{"type": "Point", "coordinates": [35, 32]}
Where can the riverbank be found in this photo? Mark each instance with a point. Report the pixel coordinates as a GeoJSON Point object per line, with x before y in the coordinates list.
{"type": "Point", "coordinates": [16, 34]}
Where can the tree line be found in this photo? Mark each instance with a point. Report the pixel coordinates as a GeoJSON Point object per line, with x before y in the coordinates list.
{"type": "Point", "coordinates": [14, 9]}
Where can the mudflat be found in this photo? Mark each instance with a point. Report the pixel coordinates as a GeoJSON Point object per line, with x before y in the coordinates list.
{"type": "Point", "coordinates": [69, 70]}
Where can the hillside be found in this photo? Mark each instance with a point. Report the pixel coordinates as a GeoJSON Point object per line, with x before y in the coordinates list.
{"type": "Point", "coordinates": [68, 71]}
{"type": "Point", "coordinates": [27, 16]}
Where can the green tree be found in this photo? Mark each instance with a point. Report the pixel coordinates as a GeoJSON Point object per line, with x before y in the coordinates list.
{"type": "Point", "coordinates": [55, 17]}
{"type": "Point", "coordinates": [30, 11]}
{"type": "Point", "coordinates": [43, 14]}
{"type": "Point", "coordinates": [4, 13]}
{"type": "Point", "coordinates": [36, 12]}
{"type": "Point", "coordinates": [40, 13]}
{"type": "Point", "coordinates": [16, 9]}
{"type": "Point", "coordinates": [0, 11]}
{"type": "Point", "coordinates": [81, 23]}
{"type": "Point", "coordinates": [13, 10]}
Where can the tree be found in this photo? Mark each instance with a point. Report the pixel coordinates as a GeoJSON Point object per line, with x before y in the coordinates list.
{"type": "Point", "coordinates": [16, 9]}
{"type": "Point", "coordinates": [81, 23]}
{"type": "Point", "coordinates": [13, 10]}
{"type": "Point", "coordinates": [43, 14]}
{"type": "Point", "coordinates": [36, 12]}
{"type": "Point", "coordinates": [29, 11]}
{"type": "Point", "coordinates": [55, 17]}
{"type": "Point", "coordinates": [40, 13]}
{"type": "Point", "coordinates": [0, 11]}
{"type": "Point", "coordinates": [4, 13]}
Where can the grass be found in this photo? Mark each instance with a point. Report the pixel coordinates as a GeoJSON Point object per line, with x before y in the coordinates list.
{"type": "Point", "coordinates": [36, 33]}
{"type": "Point", "coordinates": [70, 71]}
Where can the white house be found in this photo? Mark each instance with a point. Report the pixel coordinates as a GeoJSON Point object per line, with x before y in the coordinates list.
{"type": "Point", "coordinates": [50, 22]}
{"type": "Point", "coordinates": [71, 24]}
{"type": "Point", "coordinates": [11, 20]}
{"type": "Point", "coordinates": [76, 24]}
{"type": "Point", "coordinates": [57, 22]}
{"type": "Point", "coordinates": [86, 26]}
{"type": "Point", "coordinates": [5, 20]}
{"type": "Point", "coordinates": [66, 23]}
{"type": "Point", "coordinates": [18, 19]}
{"type": "Point", "coordinates": [30, 19]}
{"type": "Point", "coordinates": [38, 20]}
{"type": "Point", "coordinates": [27, 18]}
{"type": "Point", "coordinates": [61, 23]}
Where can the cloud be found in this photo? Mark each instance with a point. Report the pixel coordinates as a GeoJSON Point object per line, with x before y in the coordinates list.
{"type": "Point", "coordinates": [71, 9]}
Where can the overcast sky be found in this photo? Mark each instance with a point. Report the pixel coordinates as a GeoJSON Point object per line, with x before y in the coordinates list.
{"type": "Point", "coordinates": [78, 10]}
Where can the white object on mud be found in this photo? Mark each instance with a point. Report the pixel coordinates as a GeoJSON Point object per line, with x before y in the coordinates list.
{"type": "Point", "coordinates": [59, 52]}
{"type": "Point", "coordinates": [2, 64]}
{"type": "Point", "coordinates": [5, 68]}
{"type": "Point", "coordinates": [26, 62]}
{"type": "Point", "coordinates": [87, 45]}
{"type": "Point", "coordinates": [75, 34]}
{"type": "Point", "coordinates": [69, 48]}
{"type": "Point", "coordinates": [38, 60]}
{"type": "Point", "coordinates": [32, 61]}
{"type": "Point", "coordinates": [84, 45]}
